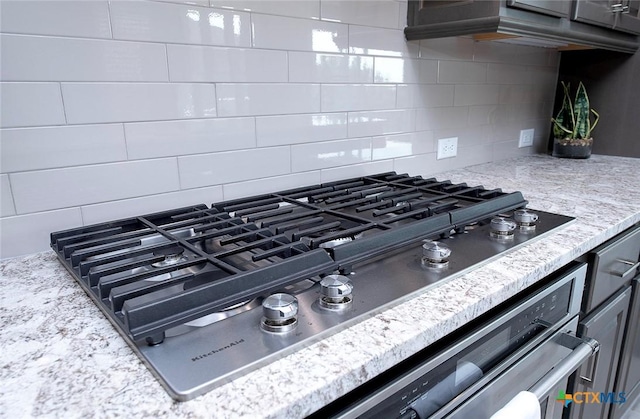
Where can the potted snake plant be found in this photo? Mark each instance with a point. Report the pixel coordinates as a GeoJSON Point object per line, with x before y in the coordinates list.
{"type": "Point", "coordinates": [572, 125]}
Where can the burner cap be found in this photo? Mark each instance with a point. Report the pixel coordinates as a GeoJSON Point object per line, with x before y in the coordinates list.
{"type": "Point", "coordinates": [169, 251]}
{"type": "Point", "coordinates": [172, 255]}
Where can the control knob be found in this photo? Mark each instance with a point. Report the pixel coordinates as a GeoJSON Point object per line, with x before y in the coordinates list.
{"type": "Point", "coordinates": [335, 292]}
{"type": "Point", "coordinates": [502, 228]}
{"type": "Point", "coordinates": [279, 313]}
{"type": "Point", "coordinates": [526, 219]}
{"type": "Point", "coordinates": [435, 255]}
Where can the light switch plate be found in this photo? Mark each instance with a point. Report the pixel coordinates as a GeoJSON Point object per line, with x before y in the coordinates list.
{"type": "Point", "coordinates": [526, 137]}
{"type": "Point", "coordinates": [447, 147]}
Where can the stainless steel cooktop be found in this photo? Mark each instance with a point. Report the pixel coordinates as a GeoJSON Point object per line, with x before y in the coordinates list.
{"type": "Point", "coordinates": [205, 294]}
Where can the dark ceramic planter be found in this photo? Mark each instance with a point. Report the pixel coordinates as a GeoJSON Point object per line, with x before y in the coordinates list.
{"type": "Point", "coordinates": [567, 150]}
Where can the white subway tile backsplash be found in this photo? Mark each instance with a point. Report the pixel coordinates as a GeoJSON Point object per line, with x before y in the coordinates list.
{"type": "Point", "coordinates": [369, 123]}
{"type": "Point", "coordinates": [495, 52]}
{"type": "Point", "coordinates": [357, 97]}
{"type": "Point", "coordinates": [380, 41]}
{"type": "Point", "coordinates": [447, 49]}
{"type": "Point", "coordinates": [40, 58]}
{"type": "Point", "coordinates": [270, 184]}
{"type": "Point", "coordinates": [401, 145]}
{"type": "Point", "coordinates": [467, 136]}
{"type": "Point", "coordinates": [6, 198]}
{"type": "Point", "coordinates": [58, 188]}
{"type": "Point", "coordinates": [108, 211]}
{"type": "Point", "coordinates": [87, 103]}
{"type": "Point", "coordinates": [276, 32]}
{"type": "Point", "coordinates": [30, 104]}
{"type": "Point", "coordinates": [384, 14]}
{"type": "Point", "coordinates": [233, 166]}
{"type": "Point", "coordinates": [330, 154]}
{"type": "Point", "coordinates": [294, 129]}
{"type": "Point", "coordinates": [64, 18]}
{"type": "Point", "coordinates": [231, 98]}
{"type": "Point", "coordinates": [309, 67]}
{"type": "Point", "coordinates": [498, 73]}
{"type": "Point", "coordinates": [422, 164]}
{"type": "Point", "coordinates": [488, 114]}
{"type": "Point", "coordinates": [25, 149]}
{"type": "Point", "coordinates": [178, 23]}
{"type": "Point", "coordinates": [307, 9]}
{"type": "Point", "coordinates": [425, 95]}
{"type": "Point", "coordinates": [400, 70]}
{"type": "Point", "coordinates": [267, 99]}
{"type": "Point", "coordinates": [461, 72]}
{"type": "Point", "coordinates": [25, 234]}
{"type": "Point", "coordinates": [532, 56]}
{"type": "Point", "coordinates": [442, 118]}
{"type": "Point", "coordinates": [514, 94]}
{"type": "Point", "coordinates": [175, 138]}
{"type": "Point", "coordinates": [355, 170]}
{"type": "Point", "coordinates": [188, 63]}
{"type": "Point", "coordinates": [471, 94]}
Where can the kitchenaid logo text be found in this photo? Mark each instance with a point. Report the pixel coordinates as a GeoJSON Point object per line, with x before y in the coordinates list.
{"type": "Point", "coordinates": [591, 397]}
{"type": "Point", "coordinates": [215, 351]}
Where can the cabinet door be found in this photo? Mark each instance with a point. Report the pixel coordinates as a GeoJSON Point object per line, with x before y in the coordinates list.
{"type": "Point", "coordinates": [602, 13]}
{"type": "Point", "coordinates": [629, 21]}
{"type": "Point", "coordinates": [606, 325]}
{"type": "Point", "coordinates": [558, 8]}
{"type": "Point", "coordinates": [423, 12]}
{"type": "Point", "coordinates": [628, 379]}
{"type": "Point", "coordinates": [613, 264]}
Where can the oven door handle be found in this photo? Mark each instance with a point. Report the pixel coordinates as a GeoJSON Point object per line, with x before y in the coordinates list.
{"type": "Point", "coordinates": [583, 349]}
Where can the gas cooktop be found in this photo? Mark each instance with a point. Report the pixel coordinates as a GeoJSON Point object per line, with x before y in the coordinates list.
{"type": "Point", "coordinates": [204, 294]}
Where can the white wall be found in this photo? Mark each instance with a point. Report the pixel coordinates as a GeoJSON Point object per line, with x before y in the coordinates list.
{"type": "Point", "coordinates": [114, 109]}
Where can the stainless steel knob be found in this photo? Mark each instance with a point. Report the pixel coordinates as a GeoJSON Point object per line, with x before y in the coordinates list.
{"type": "Point", "coordinates": [502, 228]}
{"type": "Point", "coordinates": [502, 225]}
{"type": "Point", "coordinates": [335, 286]}
{"type": "Point", "coordinates": [280, 307]}
{"type": "Point", "coordinates": [435, 251]}
{"type": "Point", "coordinates": [525, 216]}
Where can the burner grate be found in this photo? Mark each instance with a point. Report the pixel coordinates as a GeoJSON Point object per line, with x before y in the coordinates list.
{"type": "Point", "coordinates": [239, 250]}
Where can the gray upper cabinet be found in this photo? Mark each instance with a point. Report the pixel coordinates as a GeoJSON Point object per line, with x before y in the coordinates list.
{"type": "Point", "coordinates": [551, 23]}
{"type": "Point", "coordinates": [619, 15]}
{"type": "Point", "coordinates": [560, 8]}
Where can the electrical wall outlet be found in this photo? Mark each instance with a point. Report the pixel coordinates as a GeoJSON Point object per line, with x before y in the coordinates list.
{"type": "Point", "coordinates": [447, 147]}
{"type": "Point", "coordinates": [526, 137]}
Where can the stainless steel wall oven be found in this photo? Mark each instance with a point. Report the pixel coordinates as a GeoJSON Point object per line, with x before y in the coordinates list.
{"type": "Point", "coordinates": [527, 343]}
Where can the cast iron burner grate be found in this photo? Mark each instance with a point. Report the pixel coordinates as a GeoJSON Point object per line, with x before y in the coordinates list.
{"type": "Point", "coordinates": [158, 271]}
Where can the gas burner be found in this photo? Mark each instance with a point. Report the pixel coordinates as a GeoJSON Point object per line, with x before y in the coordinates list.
{"type": "Point", "coordinates": [435, 255]}
{"type": "Point", "coordinates": [340, 240]}
{"type": "Point", "coordinates": [279, 313]}
{"type": "Point", "coordinates": [336, 292]}
{"type": "Point", "coordinates": [526, 220]}
{"type": "Point", "coordinates": [502, 228]}
{"type": "Point", "coordinates": [172, 256]}
{"type": "Point", "coordinates": [336, 242]}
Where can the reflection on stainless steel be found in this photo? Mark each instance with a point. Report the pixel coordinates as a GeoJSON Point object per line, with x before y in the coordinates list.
{"type": "Point", "coordinates": [213, 317]}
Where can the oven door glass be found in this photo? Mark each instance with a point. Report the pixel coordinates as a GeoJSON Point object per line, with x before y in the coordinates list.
{"type": "Point", "coordinates": [439, 385]}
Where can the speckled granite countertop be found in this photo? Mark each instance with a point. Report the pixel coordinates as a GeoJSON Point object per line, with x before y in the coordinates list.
{"type": "Point", "coordinates": [61, 357]}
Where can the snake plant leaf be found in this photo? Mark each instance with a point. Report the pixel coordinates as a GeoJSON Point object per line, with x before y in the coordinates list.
{"type": "Point", "coordinates": [563, 122]}
{"type": "Point", "coordinates": [581, 113]}
{"type": "Point", "coordinates": [595, 122]}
